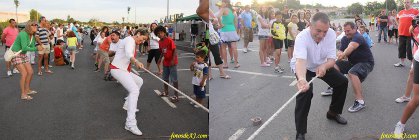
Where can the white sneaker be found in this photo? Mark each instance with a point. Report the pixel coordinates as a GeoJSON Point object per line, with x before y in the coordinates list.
{"type": "Point", "coordinates": [134, 130]}
{"type": "Point", "coordinates": [402, 99]}
{"type": "Point", "coordinates": [399, 129]}
{"type": "Point", "coordinates": [245, 50]}
{"type": "Point", "coordinates": [42, 67]}
{"type": "Point", "coordinates": [399, 64]}
{"type": "Point", "coordinates": [125, 107]}
{"type": "Point", "coordinates": [50, 66]}
{"type": "Point", "coordinates": [15, 70]}
{"type": "Point", "coordinates": [278, 70]}
{"type": "Point", "coordinates": [9, 73]}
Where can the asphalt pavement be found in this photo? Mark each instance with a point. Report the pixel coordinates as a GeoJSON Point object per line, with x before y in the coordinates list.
{"type": "Point", "coordinates": [256, 91]}
{"type": "Point", "coordinates": [79, 104]}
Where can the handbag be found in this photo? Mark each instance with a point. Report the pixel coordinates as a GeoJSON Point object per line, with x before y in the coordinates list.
{"type": "Point", "coordinates": [214, 38]}
{"type": "Point", "coordinates": [9, 54]}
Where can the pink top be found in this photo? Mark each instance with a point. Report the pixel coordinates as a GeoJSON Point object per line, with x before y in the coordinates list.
{"type": "Point", "coordinates": [11, 34]}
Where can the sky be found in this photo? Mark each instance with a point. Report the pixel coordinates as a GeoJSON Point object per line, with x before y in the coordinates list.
{"type": "Point", "coordinates": [104, 10]}
{"type": "Point", "coordinates": [338, 3]}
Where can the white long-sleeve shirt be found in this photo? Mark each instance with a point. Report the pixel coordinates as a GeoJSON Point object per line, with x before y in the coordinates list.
{"type": "Point", "coordinates": [123, 54]}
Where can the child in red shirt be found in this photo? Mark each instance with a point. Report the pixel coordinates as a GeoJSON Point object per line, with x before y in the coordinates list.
{"type": "Point", "coordinates": [59, 59]}
{"type": "Point", "coordinates": [170, 60]}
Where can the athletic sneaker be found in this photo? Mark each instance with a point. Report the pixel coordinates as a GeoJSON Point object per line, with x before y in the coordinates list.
{"type": "Point", "coordinates": [125, 107]}
{"type": "Point", "coordinates": [356, 107]}
{"type": "Point", "coordinates": [265, 65]}
{"type": "Point", "coordinates": [402, 99]}
{"type": "Point", "coordinates": [399, 64]}
{"type": "Point", "coordinates": [134, 130]}
{"type": "Point", "coordinates": [245, 50]}
{"type": "Point", "coordinates": [15, 70]}
{"type": "Point", "coordinates": [278, 70]}
{"type": "Point", "coordinates": [328, 92]}
{"type": "Point", "coordinates": [399, 130]}
{"type": "Point", "coordinates": [9, 73]}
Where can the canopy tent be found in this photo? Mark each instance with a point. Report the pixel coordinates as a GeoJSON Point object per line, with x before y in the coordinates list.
{"type": "Point", "coordinates": [189, 18]}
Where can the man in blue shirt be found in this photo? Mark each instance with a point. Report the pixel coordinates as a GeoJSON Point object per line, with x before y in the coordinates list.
{"type": "Point", "coordinates": [246, 22]}
{"type": "Point", "coordinates": [360, 62]}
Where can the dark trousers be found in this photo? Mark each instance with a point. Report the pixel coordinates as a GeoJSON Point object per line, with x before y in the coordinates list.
{"type": "Point", "coordinates": [216, 55]}
{"type": "Point", "coordinates": [334, 79]}
{"type": "Point", "coordinates": [404, 47]}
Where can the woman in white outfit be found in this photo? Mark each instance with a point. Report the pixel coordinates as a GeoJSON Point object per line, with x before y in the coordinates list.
{"type": "Point", "coordinates": [121, 70]}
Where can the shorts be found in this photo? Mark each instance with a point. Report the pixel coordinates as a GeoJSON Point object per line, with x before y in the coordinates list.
{"type": "Point", "coordinates": [289, 43]}
{"type": "Point", "coordinates": [46, 49]}
{"type": "Point", "coordinates": [393, 32]}
{"type": "Point", "coordinates": [71, 48]}
{"type": "Point", "coordinates": [278, 44]}
{"type": "Point", "coordinates": [361, 69]}
{"type": "Point", "coordinates": [21, 58]}
{"type": "Point", "coordinates": [416, 72]}
{"type": "Point", "coordinates": [199, 92]}
{"type": "Point", "coordinates": [153, 53]}
{"type": "Point", "coordinates": [263, 37]}
{"type": "Point", "coordinates": [105, 56]}
{"type": "Point", "coordinates": [170, 72]}
{"type": "Point", "coordinates": [248, 35]}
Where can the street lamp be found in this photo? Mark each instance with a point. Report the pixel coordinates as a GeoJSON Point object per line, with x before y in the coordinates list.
{"type": "Point", "coordinates": [128, 11]}
{"type": "Point", "coordinates": [17, 5]}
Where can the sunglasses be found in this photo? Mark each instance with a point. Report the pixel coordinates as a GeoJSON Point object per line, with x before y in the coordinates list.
{"type": "Point", "coordinates": [34, 24]}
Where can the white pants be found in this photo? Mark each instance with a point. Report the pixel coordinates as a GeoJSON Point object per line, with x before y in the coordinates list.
{"type": "Point", "coordinates": [132, 83]}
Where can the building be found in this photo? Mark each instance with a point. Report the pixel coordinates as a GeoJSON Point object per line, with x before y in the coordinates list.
{"type": "Point", "coordinates": [22, 17]}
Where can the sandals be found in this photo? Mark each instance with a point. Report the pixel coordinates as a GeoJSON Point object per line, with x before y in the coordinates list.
{"type": "Point", "coordinates": [49, 71]}
{"type": "Point", "coordinates": [225, 76]}
{"type": "Point", "coordinates": [163, 94]}
{"type": "Point", "coordinates": [237, 66]}
{"type": "Point", "coordinates": [27, 97]}
{"type": "Point", "coordinates": [174, 99]}
{"type": "Point", "coordinates": [40, 73]}
{"type": "Point", "coordinates": [32, 92]}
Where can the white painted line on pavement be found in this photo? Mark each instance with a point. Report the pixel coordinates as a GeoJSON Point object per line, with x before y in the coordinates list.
{"type": "Point", "coordinates": [177, 70]}
{"type": "Point", "coordinates": [242, 84]}
{"type": "Point", "coordinates": [183, 97]}
{"type": "Point", "coordinates": [251, 73]}
{"type": "Point", "coordinates": [286, 76]}
{"type": "Point", "coordinates": [166, 99]}
{"type": "Point", "coordinates": [237, 134]}
{"type": "Point", "coordinates": [293, 83]}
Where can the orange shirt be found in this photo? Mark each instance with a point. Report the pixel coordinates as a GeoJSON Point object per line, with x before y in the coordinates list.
{"type": "Point", "coordinates": [405, 17]}
{"type": "Point", "coordinates": [105, 44]}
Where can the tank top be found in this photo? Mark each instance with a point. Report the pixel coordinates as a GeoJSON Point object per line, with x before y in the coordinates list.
{"type": "Point", "coordinates": [228, 22]}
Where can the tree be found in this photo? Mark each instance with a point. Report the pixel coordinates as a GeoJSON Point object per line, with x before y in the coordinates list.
{"type": "Point", "coordinates": [58, 21]}
{"type": "Point", "coordinates": [373, 8]}
{"type": "Point", "coordinates": [34, 15]}
{"type": "Point", "coordinates": [390, 5]}
{"type": "Point", "coordinates": [355, 8]}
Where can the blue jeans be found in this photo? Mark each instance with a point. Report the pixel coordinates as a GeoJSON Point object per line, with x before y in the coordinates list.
{"type": "Point", "coordinates": [385, 30]}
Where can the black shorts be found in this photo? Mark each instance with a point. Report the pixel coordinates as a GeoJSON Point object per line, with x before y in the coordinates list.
{"type": "Point", "coordinates": [361, 69]}
{"type": "Point", "coordinates": [416, 72]}
{"type": "Point", "coordinates": [199, 92]}
{"type": "Point", "coordinates": [290, 43]}
{"type": "Point", "coordinates": [278, 44]}
{"type": "Point", "coordinates": [153, 53]}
